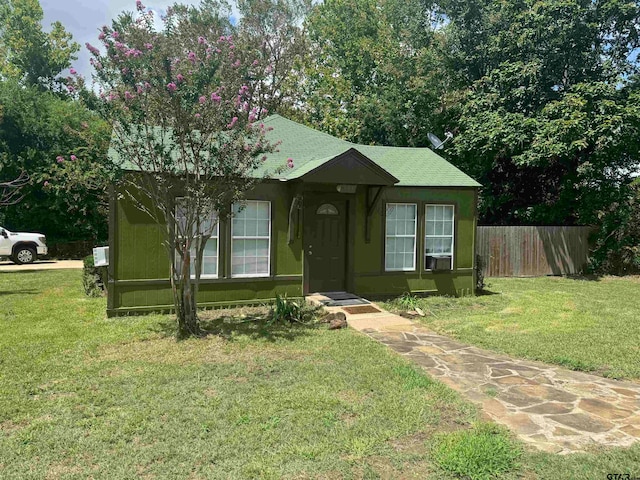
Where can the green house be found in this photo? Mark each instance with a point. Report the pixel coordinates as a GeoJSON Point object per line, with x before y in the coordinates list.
{"type": "Point", "coordinates": [363, 219]}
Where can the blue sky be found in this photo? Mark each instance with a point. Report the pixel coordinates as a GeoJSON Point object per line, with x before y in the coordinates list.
{"type": "Point", "coordinates": [83, 18]}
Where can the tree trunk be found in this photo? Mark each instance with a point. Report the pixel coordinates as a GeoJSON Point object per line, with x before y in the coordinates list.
{"type": "Point", "coordinates": [186, 303]}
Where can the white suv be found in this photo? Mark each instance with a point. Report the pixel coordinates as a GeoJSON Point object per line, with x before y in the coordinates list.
{"type": "Point", "coordinates": [22, 247]}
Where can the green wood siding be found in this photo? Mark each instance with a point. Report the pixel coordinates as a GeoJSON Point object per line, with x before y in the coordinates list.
{"type": "Point", "coordinates": [140, 268]}
{"type": "Point", "coordinates": [369, 273]}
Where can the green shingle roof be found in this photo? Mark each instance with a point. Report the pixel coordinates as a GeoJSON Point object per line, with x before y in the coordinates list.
{"type": "Point", "coordinates": [310, 148]}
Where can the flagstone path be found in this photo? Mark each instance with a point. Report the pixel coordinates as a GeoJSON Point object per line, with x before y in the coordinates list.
{"type": "Point", "coordinates": [552, 408]}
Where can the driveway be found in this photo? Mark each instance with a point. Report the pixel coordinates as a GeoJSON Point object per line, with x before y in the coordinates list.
{"type": "Point", "coordinates": [40, 265]}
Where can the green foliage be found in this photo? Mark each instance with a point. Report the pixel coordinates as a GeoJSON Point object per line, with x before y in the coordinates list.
{"type": "Point", "coordinates": [481, 453]}
{"type": "Point", "coordinates": [286, 310]}
{"type": "Point", "coordinates": [375, 76]}
{"type": "Point", "coordinates": [616, 244]}
{"type": "Point", "coordinates": [93, 278]}
{"type": "Point", "coordinates": [67, 200]}
{"type": "Point", "coordinates": [479, 270]}
{"type": "Point", "coordinates": [407, 301]}
{"type": "Point", "coordinates": [29, 54]}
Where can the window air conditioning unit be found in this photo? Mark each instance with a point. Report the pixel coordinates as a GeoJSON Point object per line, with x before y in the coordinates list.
{"type": "Point", "coordinates": [439, 262]}
{"type": "Point", "coordinates": [101, 256]}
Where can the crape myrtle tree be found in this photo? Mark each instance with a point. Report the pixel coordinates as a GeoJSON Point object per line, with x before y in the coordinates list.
{"type": "Point", "coordinates": [185, 123]}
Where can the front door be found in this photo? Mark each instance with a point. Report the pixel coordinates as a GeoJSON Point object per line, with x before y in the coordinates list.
{"type": "Point", "coordinates": [325, 245]}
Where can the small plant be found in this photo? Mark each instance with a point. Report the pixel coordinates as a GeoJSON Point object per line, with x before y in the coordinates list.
{"type": "Point", "coordinates": [481, 453]}
{"type": "Point", "coordinates": [286, 310]}
{"type": "Point", "coordinates": [93, 278]}
{"type": "Point", "coordinates": [480, 264]}
{"type": "Point", "coordinates": [407, 301]}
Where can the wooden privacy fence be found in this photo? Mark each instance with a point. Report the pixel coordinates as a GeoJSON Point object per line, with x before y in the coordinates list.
{"type": "Point", "coordinates": [533, 251]}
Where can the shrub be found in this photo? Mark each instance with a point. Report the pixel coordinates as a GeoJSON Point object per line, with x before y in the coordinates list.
{"type": "Point", "coordinates": [407, 301]}
{"type": "Point", "coordinates": [616, 242]}
{"type": "Point", "coordinates": [481, 453]}
{"type": "Point", "coordinates": [93, 278]}
{"type": "Point", "coordinates": [286, 310]}
{"type": "Point", "coordinates": [479, 273]}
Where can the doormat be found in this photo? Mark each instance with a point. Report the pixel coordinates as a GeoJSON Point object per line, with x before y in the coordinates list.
{"type": "Point", "coordinates": [361, 310]}
{"type": "Point", "coordinates": [342, 299]}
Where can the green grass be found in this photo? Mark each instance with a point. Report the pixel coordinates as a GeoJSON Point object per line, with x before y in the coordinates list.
{"type": "Point", "coordinates": [479, 453]}
{"type": "Point", "coordinates": [589, 325]}
{"type": "Point", "coordinates": [85, 396]}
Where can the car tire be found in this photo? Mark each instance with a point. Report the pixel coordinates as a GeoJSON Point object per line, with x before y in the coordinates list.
{"type": "Point", "coordinates": [24, 255]}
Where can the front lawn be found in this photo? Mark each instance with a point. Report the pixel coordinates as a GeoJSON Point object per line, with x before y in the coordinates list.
{"type": "Point", "coordinates": [83, 396]}
{"type": "Point", "coordinates": [590, 325]}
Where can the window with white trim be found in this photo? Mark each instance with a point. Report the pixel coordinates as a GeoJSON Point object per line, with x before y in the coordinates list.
{"type": "Point", "coordinates": [211, 248]}
{"type": "Point", "coordinates": [438, 243]}
{"type": "Point", "coordinates": [251, 239]}
{"type": "Point", "coordinates": [400, 237]}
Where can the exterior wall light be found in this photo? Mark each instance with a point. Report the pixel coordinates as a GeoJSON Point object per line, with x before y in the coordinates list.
{"type": "Point", "coordinates": [347, 188]}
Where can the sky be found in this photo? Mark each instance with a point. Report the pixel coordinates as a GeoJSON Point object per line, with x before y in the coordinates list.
{"type": "Point", "coordinates": [83, 19]}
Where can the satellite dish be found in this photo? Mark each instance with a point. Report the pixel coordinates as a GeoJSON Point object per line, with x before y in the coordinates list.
{"type": "Point", "coordinates": [436, 142]}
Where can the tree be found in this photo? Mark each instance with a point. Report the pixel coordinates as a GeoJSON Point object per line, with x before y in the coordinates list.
{"type": "Point", "coordinates": [184, 120]}
{"type": "Point", "coordinates": [271, 34]}
{"type": "Point", "coordinates": [39, 131]}
{"type": "Point", "coordinates": [546, 117]}
{"type": "Point", "coordinates": [375, 73]}
{"type": "Point", "coordinates": [30, 55]}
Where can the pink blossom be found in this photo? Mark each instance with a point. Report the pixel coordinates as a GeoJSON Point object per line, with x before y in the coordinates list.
{"type": "Point", "coordinates": [201, 40]}
{"type": "Point", "coordinates": [215, 97]}
{"type": "Point", "coordinates": [148, 46]}
{"type": "Point", "coordinates": [192, 56]}
{"type": "Point", "coordinates": [244, 89]}
{"type": "Point", "coordinates": [172, 87]}
{"type": "Point", "coordinates": [115, 34]}
{"type": "Point", "coordinates": [147, 85]}
{"type": "Point", "coordinates": [139, 89]}
{"type": "Point", "coordinates": [101, 36]}
{"type": "Point", "coordinates": [290, 162]}
{"type": "Point", "coordinates": [139, 5]}
{"type": "Point", "coordinates": [180, 78]}
{"type": "Point", "coordinates": [91, 48]}
{"type": "Point", "coordinates": [233, 122]}
{"type": "Point", "coordinates": [255, 63]}
{"type": "Point", "coordinates": [71, 88]}
{"type": "Point", "coordinates": [252, 117]}
{"type": "Point", "coordinates": [236, 64]}
{"type": "Point", "coordinates": [128, 95]}
{"type": "Point", "coordinates": [264, 158]}
{"type": "Point", "coordinates": [198, 115]}
{"type": "Point", "coordinates": [73, 71]}
{"type": "Point", "coordinates": [60, 159]}
{"type": "Point", "coordinates": [46, 184]}
{"type": "Point", "coordinates": [202, 100]}
{"type": "Point", "coordinates": [73, 158]}
{"type": "Point", "coordinates": [125, 70]}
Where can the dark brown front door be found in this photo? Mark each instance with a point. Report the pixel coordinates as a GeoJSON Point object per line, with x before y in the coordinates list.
{"type": "Point", "coordinates": [325, 245]}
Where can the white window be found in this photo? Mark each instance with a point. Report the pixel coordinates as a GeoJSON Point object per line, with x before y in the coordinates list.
{"type": "Point", "coordinates": [439, 228]}
{"type": "Point", "coordinates": [400, 237]}
{"type": "Point", "coordinates": [211, 252]}
{"type": "Point", "coordinates": [251, 239]}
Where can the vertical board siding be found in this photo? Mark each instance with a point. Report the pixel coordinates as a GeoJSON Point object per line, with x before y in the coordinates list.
{"type": "Point", "coordinates": [533, 251]}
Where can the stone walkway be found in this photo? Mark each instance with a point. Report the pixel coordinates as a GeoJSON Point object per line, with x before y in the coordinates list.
{"type": "Point", "coordinates": [549, 407]}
